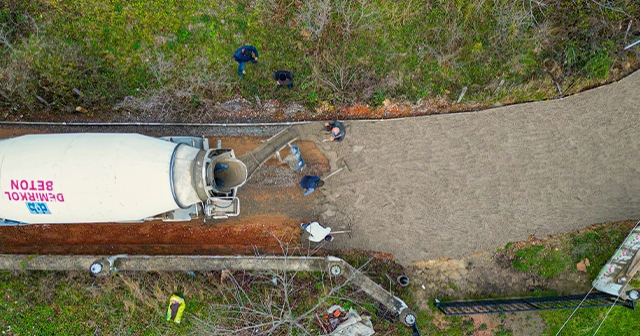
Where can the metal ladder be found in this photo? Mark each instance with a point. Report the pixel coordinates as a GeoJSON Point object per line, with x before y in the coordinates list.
{"type": "Point", "coordinates": [456, 308]}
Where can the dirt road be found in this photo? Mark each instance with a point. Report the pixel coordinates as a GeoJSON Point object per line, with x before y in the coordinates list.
{"type": "Point", "coordinates": [450, 185]}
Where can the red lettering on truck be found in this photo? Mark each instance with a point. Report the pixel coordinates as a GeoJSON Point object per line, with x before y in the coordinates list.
{"type": "Point", "coordinates": [26, 190]}
{"type": "Point", "coordinates": [32, 197]}
{"type": "Point", "coordinates": [33, 185]}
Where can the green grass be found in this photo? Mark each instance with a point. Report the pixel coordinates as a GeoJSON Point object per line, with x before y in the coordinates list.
{"type": "Point", "coordinates": [543, 261]}
{"type": "Point", "coordinates": [57, 303]}
{"type": "Point", "coordinates": [46, 303]}
{"type": "Point", "coordinates": [526, 258]}
{"type": "Point", "coordinates": [598, 246]}
{"type": "Point", "coordinates": [180, 52]}
{"type": "Point", "coordinates": [620, 321]}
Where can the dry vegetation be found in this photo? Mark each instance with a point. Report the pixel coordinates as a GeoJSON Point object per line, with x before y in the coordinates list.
{"type": "Point", "coordinates": [171, 60]}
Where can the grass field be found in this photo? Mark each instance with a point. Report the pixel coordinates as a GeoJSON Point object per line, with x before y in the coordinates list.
{"type": "Point", "coordinates": [175, 56]}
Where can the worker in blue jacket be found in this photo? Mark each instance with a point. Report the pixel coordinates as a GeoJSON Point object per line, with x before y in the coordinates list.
{"type": "Point", "coordinates": [243, 55]}
{"type": "Point", "coordinates": [310, 183]}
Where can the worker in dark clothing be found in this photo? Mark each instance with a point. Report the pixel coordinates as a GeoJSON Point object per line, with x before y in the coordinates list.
{"type": "Point", "coordinates": [310, 183]}
{"type": "Point", "coordinates": [283, 78]}
{"type": "Point", "coordinates": [337, 130]}
{"type": "Point", "coordinates": [243, 55]}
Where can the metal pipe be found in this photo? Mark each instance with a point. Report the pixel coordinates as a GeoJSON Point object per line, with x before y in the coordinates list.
{"type": "Point", "coordinates": [631, 45]}
{"type": "Point", "coordinates": [104, 124]}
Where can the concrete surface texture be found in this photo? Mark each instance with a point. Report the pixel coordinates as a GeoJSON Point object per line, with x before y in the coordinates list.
{"type": "Point", "coordinates": [451, 185]}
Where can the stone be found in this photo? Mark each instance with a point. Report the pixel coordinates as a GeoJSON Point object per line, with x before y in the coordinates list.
{"type": "Point", "coordinates": [581, 267]}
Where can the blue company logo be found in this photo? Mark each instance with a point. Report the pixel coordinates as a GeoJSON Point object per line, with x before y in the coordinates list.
{"type": "Point", "coordinates": [38, 208]}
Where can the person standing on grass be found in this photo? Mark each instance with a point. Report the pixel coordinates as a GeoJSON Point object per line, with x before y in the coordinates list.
{"type": "Point", "coordinates": [243, 55]}
{"type": "Point", "coordinates": [310, 183]}
{"type": "Point", "coordinates": [337, 130]}
{"type": "Point", "coordinates": [283, 78]}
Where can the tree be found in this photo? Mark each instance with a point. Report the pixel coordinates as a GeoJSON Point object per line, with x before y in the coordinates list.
{"type": "Point", "coordinates": [274, 302]}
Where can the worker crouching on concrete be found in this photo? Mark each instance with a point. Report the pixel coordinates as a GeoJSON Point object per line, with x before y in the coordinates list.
{"type": "Point", "coordinates": [310, 183]}
{"type": "Point", "coordinates": [337, 130]}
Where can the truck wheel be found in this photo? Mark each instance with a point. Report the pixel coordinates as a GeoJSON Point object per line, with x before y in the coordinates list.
{"type": "Point", "coordinates": [408, 317]}
{"type": "Point", "coordinates": [335, 269]}
{"type": "Point", "coordinates": [100, 267]}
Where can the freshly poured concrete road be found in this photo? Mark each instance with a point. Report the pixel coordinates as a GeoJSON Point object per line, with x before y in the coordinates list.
{"type": "Point", "coordinates": [451, 185]}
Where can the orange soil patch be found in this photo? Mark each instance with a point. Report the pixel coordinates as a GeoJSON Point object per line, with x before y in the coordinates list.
{"type": "Point", "coordinates": [240, 145]}
{"type": "Point", "coordinates": [250, 234]}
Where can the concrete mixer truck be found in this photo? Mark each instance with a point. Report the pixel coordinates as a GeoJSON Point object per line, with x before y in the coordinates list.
{"type": "Point", "coordinates": [93, 178]}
